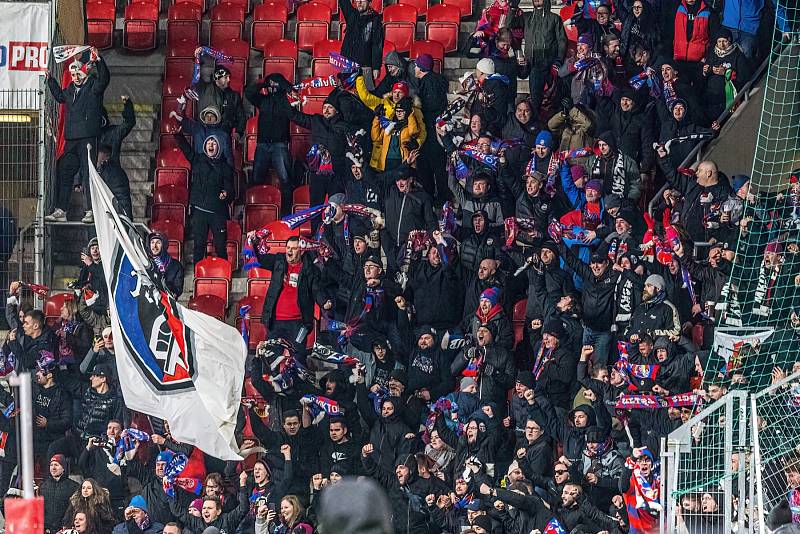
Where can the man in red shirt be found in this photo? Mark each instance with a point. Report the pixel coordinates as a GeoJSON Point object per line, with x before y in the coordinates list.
{"type": "Point", "coordinates": [293, 289]}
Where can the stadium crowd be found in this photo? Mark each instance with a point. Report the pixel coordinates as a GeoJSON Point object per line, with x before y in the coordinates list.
{"type": "Point", "coordinates": [434, 217]}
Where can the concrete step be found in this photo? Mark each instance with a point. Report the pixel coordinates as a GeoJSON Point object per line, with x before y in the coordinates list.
{"type": "Point", "coordinates": [136, 160]}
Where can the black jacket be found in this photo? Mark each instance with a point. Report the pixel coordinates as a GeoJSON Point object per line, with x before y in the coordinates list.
{"type": "Point", "coordinates": [495, 375]}
{"type": "Point", "coordinates": [113, 134]}
{"type": "Point", "coordinates": [429, 287]}
{"type": "Point", "coordinates": [84, 104]}
{"type": "Point", "coordinates": [363, 42]}
{"type": "Point", "coordinates": [55, 405]}
{"type": "Point", "coordinates": [331, 133]}
{"type": "Point", "coordinates": [407, 211]}
{"type": "Point", "coordinates": [116, 179]}
{"type": "Point", "coordinates": [93, 463]}
{"type": "Point", "coordinates": [56, 494]}
{"type": "Point", "coordinates": [409, 511]}
{"type": "Point", "coordinates": [306, 284]}
{"type": "Point", "coordinates": [598, 292]}
{"type": "Point", "coordinates": [273, 118]}
{"type": "Point", "coordinates": [210, 177]}
{"type": "Point", "coordinates": [96, 410]}
{"type": "Point", "coordinates": [432, 92]}
{"type": "Point", "coordinates": [26, 349]}
{"type": "Point", "coordinates": [632, 130]}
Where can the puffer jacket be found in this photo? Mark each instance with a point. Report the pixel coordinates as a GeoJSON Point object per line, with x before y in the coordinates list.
{"type": "Point", "coordinates": [575, 128]}
{"type": "Point", "coordinates": [691, 46]}
{"type": "Point", "coordinates": [96, 410]}
{"type": "Point", "coordinates": [372, 102]}
{"type": "Point", "coordinates": [382, 140]}
{"type": "Point", "coordinates": [545, 38]}
{"type": "Point", "coordinates": [657, 318]}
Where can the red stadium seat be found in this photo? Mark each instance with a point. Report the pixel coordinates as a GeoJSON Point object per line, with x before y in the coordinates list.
{"type": "Point", "coordinates": [258, 281]}
{"type": "Point", "coordinates": [269, 22]}
{"type": "Point", "coordinates": [434, 48]}
{"type": "Point", "coordinates": [566, 14]}
{"type": "Point", "coordinates": [464, 6]}
{"type": "Point", "coordinates": [212, 276]}
{"type": "Point", "coordinates": [399, 25]}
{"type": "Point", "coordinates": [227, 21]}
{"type": "Point", "coordinates": [259, 215]}
{"type": "Point", "coordinates": [256, 304]}
{"type": "Point", "coordinates": [518, 320]}
{"type": "Point", "coordinates": [300, 198]}
{"type": "Point", "coordinates": [183, 22]}
{"type": "Point", "coordinates": [280, 57]}
{"type": "Point", "coordinates": [239, 50]}
{"type": "Point", "coordinates": [264, 194]}
{"type": "Point", "coordinates": [169, 155]}
{"type": "Point", "coordinates": [199, 3]}
{"type": "Point", "coordinates": [279, 233]}
{"type": "Point", "coordinates": [442, 24]}
{"type": "Point", "coordinates": [299, 145]}
{"type": "Point", "coordinates": [171, 176]}
{"type": "Point", "coordinates": [140, 29]}
{"type": "Point", "coordinates": [313, 23]}
{"type": "Point", "coordinates": [251, 138]}
{"type": "Point", "coordinates": [175, 86]}
{"type": "Point", "coordinates": [281, 48]}
{"type": "Point", "coordinates": [100, 20]}
{"type": "Point", "coordinates": [171, 194]}
{"type": "Point", "coordinates": [320, 56]}
{"type": "Point", "coordinates": [209, 304]}
{"type": "Point", "coordinates": [174, 212]}
{"type": "Point", "coordinates": [420, 5]}
{"type": "Point", "coordinates": [169, 104]}
{"type": "Point", "coordinates": [333, 5]}
{"type": "Point", "coordinates": [256, 333]}
{"type": "Point", "coordinates": [178, 67]}
{"type": "Point", "coordinates": [52, 307]}
{"type": "Point", "coordinates": [183, 48]}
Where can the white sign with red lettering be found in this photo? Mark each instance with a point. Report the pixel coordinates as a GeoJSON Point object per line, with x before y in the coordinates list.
{"type": "Point", "coordinates": [24, 41]}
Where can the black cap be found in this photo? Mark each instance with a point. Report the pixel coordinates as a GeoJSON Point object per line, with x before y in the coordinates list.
{"type": "Point", "coordinates": [526, 378]}
{"type": "Point", "coordinates": [554, 328]}
{"type": "Point", "coordinates": [400, 376]}
{"type": "Point", "coordinates": [101, 369]}
{"type": "Point", "coordinates": [373, 258]}
{"type": "Point", "coordinates": [598, 258]}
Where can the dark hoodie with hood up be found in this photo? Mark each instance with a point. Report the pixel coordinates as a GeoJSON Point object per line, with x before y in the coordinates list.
{"type": "Point", "coordinates": [675, 371]}
{"type": "Point", "coordinates": [210, 177]}
{"type": "Point", "coordinates": [572, 438]}
{"type": "Point", "coordinates": [619, 173]}
{"type": "Point", "coordinates": [409, 511]}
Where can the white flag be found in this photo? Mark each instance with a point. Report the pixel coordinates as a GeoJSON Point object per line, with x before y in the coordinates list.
{"type": "Point", "coordinates": [174, 363]}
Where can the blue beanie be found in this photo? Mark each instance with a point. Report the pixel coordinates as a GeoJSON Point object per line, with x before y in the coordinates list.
{"type": "Point", "coordinates": [165, 456]}
{"type": "Point", "coordinates": [138, 502]}
{"type": "Point", "coordinates": [738, 181]}
{"type": "Point", "coordinates": [544, 138]}
{"type": "Point", "coordinates": [492, 295]}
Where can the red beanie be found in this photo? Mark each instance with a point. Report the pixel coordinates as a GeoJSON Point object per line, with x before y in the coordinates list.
{"type": "Point", "coordinates": [402, 87]}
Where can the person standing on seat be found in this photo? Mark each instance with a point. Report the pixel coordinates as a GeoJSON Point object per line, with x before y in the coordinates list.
{"type": "Point", "coordinates": [363, 42]}
{"type": "Point", "coordinates": [83, 104]}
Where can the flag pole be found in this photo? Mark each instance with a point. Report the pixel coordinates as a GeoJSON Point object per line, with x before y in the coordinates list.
{"type": "Point", "coordinates": [23, 381]}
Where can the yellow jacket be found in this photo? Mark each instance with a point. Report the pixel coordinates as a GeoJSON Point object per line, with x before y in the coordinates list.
{"type": "Point", "coordinates": [372, 102]}
{"type": "Point", "coordinates": [381, 140]}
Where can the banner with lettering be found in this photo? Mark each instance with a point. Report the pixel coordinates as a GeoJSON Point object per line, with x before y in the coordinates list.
{"type": "Point", "coordinates": [23, 46]}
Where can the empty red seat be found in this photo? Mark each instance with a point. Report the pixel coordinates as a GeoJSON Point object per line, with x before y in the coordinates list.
{"type": "Point", "coordinates": [313, 22]}
{"type": "Point", "coordinates": [171, 194]}
{"type": "Point", "coordinates": [209, 304]}
{"type": "Point", "coordinates": [256, 304]}
{"type": "Point", "coordinates": [169, 155]}
{"type": "Point", "coordinates": [171, 176]}
{"type": "Point", "coordinates": [183, 22]}
{"type": "Point", "coordinates": [259, 215]}
{"type": "Point", "coordinates": [464, 6]}
{"type": "Point", "coordinates": [100, 20]}
{"type": "Point", "coordinates": [263, 194]}
{"type": "Point", "coordinates": [256, 332]}
{"type": "Point", "coordinates": [299, 144]}
{"type": "Point", "coordinates": [399, 25]}
{"type": "Point", "coordinates": [434, 48]}
{"type": "Point", "coordinates": [420, 5]}
{"type": "Point", "coordinates": [300, 198]}
{"type": "Point", "coordinates": [333, 5]}
{"type": "Point", "coordinates": [199, 3]}
{"type": "Point", "coordinates": [269, 22]}
{"type": "Point", "coordinates": [251, 138]}
{"type": "Point", "coordinates": [442, 24]}
{"type": "Point", "coordinates": [212, 276]}
{"type": "Point", "coordinates": [258, 281]}
{"type": "Point", "coordinates": [140, 29]}
{"type": "Point", "coordinates": [52, 307]}
{"type": "Point", "coordinates": [178, 67]}
{"type": "Point", "coordinates": [280, 57]}
{"type": "Point", "coordinates": [173, 212]}
{"type": "Point", "coordinates": [320, 56]}
{"type": "Point", "coordinates": [227, 21]}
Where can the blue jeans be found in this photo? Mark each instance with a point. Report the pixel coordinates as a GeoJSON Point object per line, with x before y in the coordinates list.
{"type": "Point", "coordinates": [275, 155]}
{"type": "Point", "coordinates": [601, 341]}
{"type": "Point", "coordinates": [747, 41]}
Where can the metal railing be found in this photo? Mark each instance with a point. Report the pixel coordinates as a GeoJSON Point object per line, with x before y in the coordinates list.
{"type": "Point", "coordinates": [695, 155]}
